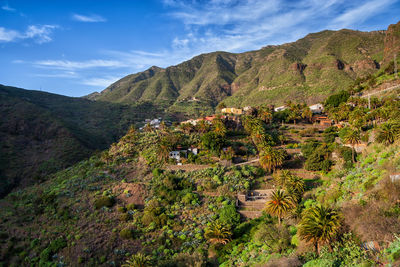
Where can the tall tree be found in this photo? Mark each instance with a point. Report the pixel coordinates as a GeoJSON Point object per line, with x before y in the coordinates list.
{"type": "Point", "coordinates": [352, 137]}
{"type": "Point", "coordinates": [388, 132]}
{"type": "Point", "coordinates": [319, 224]}
{"type": "Point", "coordinates": [279, 204]}
{"type": "Point", "coordinates": [219, 127]}
{"type": "Point", "coordinates": [271, 158]}
{"type": "Point", "coordinates": [265, 114]}
{"type": "Point", "coordinates": [306, 113]}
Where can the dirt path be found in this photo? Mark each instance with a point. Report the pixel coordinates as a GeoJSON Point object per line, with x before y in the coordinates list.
{"type": "Point", "coordinates": [187, 167]}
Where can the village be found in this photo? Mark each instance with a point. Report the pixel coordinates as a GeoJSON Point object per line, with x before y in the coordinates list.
{"type": "Point", "coordinates": [231, 115]}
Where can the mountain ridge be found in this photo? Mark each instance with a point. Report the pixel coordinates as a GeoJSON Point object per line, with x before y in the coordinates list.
{"type": "Point", "coordinates": [307, 69]}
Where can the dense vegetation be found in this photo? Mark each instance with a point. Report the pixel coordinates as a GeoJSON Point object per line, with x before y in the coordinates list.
{"type": "Point", "coordinates": [132, 205]}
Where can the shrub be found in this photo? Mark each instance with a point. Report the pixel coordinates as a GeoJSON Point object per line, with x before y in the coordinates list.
{"type": "Point", "coordinates": [229, 216]}
{"type": "Point", "coordinates": [189, 198]}
{"type": "Point", "coordinates": [130, 206]}
{"type": "Point", "coordinates": [157, 172]}
{"type": "Point", "coordinates": [276, 238]}
{"type": "Point", "coordinates": [126, 233]}
{"type": "Point", "coordinates": [346, 154]}
{"type": "Point", "coordinates": [121, 209]}
{"type": "Point", "coordinates": [104, 201]}
{"type": "Point", "coordinates": [336, 99]}
{"type": "Point", "coordinates": [330, 134]}
{"type": "Point", "coordinates": [125, 217]}
{"type": "Point", "coordinates": [52, 248]}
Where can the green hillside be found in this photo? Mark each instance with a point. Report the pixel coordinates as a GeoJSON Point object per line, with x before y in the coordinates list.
{"type": "Point", "coordinates": [305, 70]}
{"type": "Point", "coordinates": [324, 202]}
{"type": "Point", "coordinates": [41, 132]}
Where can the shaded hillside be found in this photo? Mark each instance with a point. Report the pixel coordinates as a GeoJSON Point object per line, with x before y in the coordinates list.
{"type": "Point", "coordinates": [41, 132]}
{"type": "Point", "coordinates": [305, 70]}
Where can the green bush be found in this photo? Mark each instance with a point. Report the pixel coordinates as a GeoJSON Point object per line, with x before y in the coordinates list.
{"type": "Point", "coordinates": [336, 99]}
{"type": "Point", "coordinates": [126, 233]}
{"type": "Point", "coordinates": [52, 248]}
{"type": "Point", "coordinates": [104, 201]}
{"type": "Point", "coordinates": [130, 206]}
{"type": "Point", "coordinates": [121, 209]}
{"type": "Point", "coordinates": [125, 217]}
{"type": "Point", "coordinates": [229, 216]}
{"type": "Point", "coordinates": [276, 238]}
{"type": "Point", "coordinates": [346, 154]}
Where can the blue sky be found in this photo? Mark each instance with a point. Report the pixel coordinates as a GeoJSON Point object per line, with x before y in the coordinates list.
{"type": "Point", "coordinates": [78, 47]}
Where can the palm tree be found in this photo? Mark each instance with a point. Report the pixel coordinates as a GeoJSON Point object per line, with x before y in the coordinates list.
{"type": "Point", "coordinates": [306, 113]}
{"type": "Point", "coordinates": [282, 177]}
{"type": "Point", "coordinates": [138, 260]}
{"type": "Point", "coordinates": [164, 147]}
{"type": "Point", "coordinates": [388, 132]}
{"type": "Point", "coordinates": [219, 127]}
{"type": "Point", "coordinates": [352, 138]}
{"type": "Point", "coordinates": [218, 233]}
{"type": "Point", "coordinates": [271, 158]}
{"type": "Point", "coordinates": [265, 114]}
{"type": "Point", "coordinates": [295, 187]}
{"type": "Point", "coordinates": [319, 224]}
{"type": "Point", "coordinates": [279, 204]}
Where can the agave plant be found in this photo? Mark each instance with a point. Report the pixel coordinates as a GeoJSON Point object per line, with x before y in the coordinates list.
{"type": "Point", "coordinates": [138, 260]}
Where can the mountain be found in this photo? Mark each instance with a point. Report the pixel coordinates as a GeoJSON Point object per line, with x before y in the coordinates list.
{"type": "Point", "coordinates": [41, 133]}
{"type": "Point", "coordinates": [306, 70]}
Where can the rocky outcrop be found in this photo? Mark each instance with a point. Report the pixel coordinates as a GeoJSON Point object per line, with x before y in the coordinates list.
{"type": "Point", "coordinates": [392, 43]}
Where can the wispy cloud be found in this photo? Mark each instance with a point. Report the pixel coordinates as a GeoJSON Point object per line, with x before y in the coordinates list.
{"type": "Point", "coordinates": [8, 35]}
{"type": "Point", "coordinates": [360, 13]}
{"type": "Point", "coordinates": [210, 25]}
{"type": "Point", "coordinates": [88, 18]}
{"type": "Point", "coordinates": [38, 33]}
{"type": "Point", "coordinates": [100, 82]}
{"type": "Point", "coordinates": [6, 7]}
{"type": "Point", "coordinates": [236, 26]}
{"type": "Point", "coordinates": [77, 65]}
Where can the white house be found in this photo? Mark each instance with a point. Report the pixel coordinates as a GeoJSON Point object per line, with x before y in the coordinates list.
{"type": "Point", "coordinates": [279, 108]}
{"type": "Point", "coordinates": [194, 150]}
{"type": "Point", "coordinates": [317, 108]}
{"type": "Point", "coordinates": [175, 155]}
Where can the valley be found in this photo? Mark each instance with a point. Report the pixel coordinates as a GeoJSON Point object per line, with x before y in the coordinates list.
{"type": "Point", "coordinates": [284, 156]}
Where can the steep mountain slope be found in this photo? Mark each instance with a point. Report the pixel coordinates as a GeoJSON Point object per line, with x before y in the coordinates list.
{"type": "Point", "coordinates": [41, 132]}
{"type": "Point", "coordinates": [305, 70]}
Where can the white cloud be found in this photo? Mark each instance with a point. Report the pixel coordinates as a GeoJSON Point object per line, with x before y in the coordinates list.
{"type": "Point", "coordinates": [8, 35]}
{"type": "Point", "coordinates": [242, 25]}
{"type": "Point", "coordinates": [38, 33]}
{"type": "Point", "coordinates": [361, 13]}
{"type": "Point", "coordinates": [88, 18]}
{"type": "Point", "coordinates": [6, 7]}
{"type": "Point", "coordinates": [42, 34]}
{"type": "Point", "coordinates": [64, 74]}
{"type": "Point", "coordinates": [76, 65]}
{"type": "Point", "coordinates": [100, 82]}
